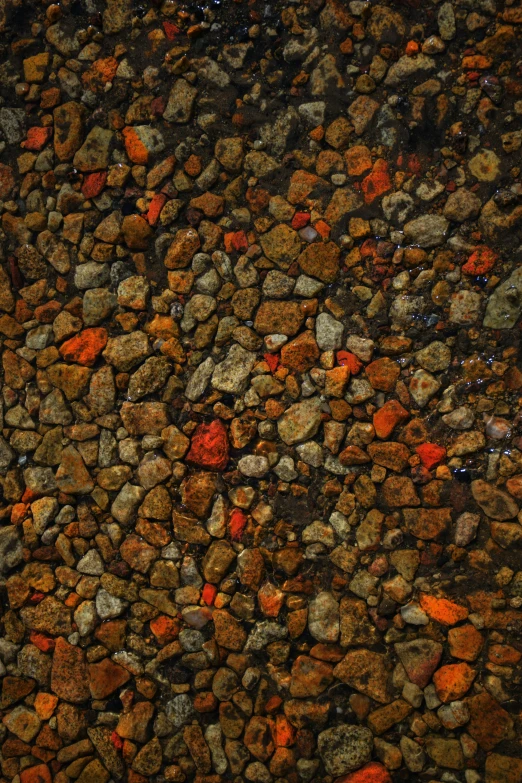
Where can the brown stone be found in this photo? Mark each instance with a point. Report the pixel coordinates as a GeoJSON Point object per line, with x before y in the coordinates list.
{"type": "Point", "coordinates": [274, 318]}
{"type": "Point", "coordinates": [321, 260]}
{"type": "Point", "coordinates": [367, 672]}
{"type": "Point", "coordinates": [69, 672]}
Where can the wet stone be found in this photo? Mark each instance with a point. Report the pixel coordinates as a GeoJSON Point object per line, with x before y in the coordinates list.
{"type": "Point", "coordinates": [260, 464]}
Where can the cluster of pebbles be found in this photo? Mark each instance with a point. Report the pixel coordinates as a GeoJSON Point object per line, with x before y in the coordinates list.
{"type": "Point", "coordinates": [261, 403]}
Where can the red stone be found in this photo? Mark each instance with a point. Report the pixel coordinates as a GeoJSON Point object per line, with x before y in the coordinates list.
{"type": "Point", "coordinates": [236, 524]}
{"type": "Point", "coordinates": [236, 240]}
{"type": "Point", "coordinates": [481, 261]}
{"type": "Point", "coordinates": [376, 183]}
{"type": "Point", "coordinates": [209, 593]}
{"type": "Point", "coordinates": [272, 360]}
{"type": "Point", "coordinates": [37, 138]}
{"type": "Point", "coordinates": [94, 183]}
{"type": "Point", "coordinates": [116, 740]}
{"type": "Point", "coordinates": [370, 773]}
{"type": "Point", "coordinates": [347, 359]}
{"type": "Point", "coordinates": [171, 30]}
{"type": "Point", "coordinates": [300, 219]}
{"type": "Point", "coordinates": [209, 446]}
{"type": "Point", "coordinates": [155, 207]}
{"type": "Point", "coordinates": [84, 348]}
{"type": "Point", "coordinates": [44, 643]}
{"type": "Point", "coordinates": [430, 454]}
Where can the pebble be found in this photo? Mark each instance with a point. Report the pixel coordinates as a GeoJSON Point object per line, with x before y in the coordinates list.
{"type": "Point", "coordinates": [259, 458]}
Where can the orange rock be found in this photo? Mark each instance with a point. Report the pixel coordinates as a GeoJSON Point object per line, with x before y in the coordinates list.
{"type": "Point", "coordinates": [353, 455]}
{"type": "Point", "coordinates": [100, 72]}
{"type": "Point", "coordinates": [310, 677]}
{"type": "Point", "coordinates": [430, 454]}
{"type": "Point", "coordinates": [453, 681]}
{"type": "Point", "coordinates": [185, 244]}
{"type": "Point", "coordinates": [376, 183]}
{"type": "Point", "coordinates": [504, 655]}
{"type": "Point", "coordinates": [358, 160]}
{"type": "Point", "coordinates": [301, 353]}
{"type": "Point", "coordinates": [465, 642]}
{"type": "Point", "coordinates": [301, 185]}
{"type": "Point", "coordinates": [443, 610]}
{"type": "Point", "coordinates": [383, 374]}
{"type": "Point", "coordinates": [136, 232]}
{"type": "Point", "coordinates": [321, 260]}
{"type": "Point", "coordinates": [476, 62]}
{"type": "Point", "coordinates": [427, 523]}
{"type": "Point", "coordinates": [283, 732]}
{"type": "Point", "coordinates": [45, 704]}
{"type": "Point", "coordinates": [210, 204]}
{"type": "Point", "coordinates": [85, 347]}
{"type": "Point", "coordinates": [481, 261]}
{"type": "Point", "coordinates": [258, 737]}
{"type": "Point", "coordinates": [38, 774]}
{"type": "Point", "coordinates": [386, 418]}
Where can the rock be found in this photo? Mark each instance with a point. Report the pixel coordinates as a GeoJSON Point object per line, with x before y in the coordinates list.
{"type": "Point", "coordinates": [127, 351]}
{"type": "Point", "coordinates": [69, 672]}
{"type": "Point", "coordinates": [365, 671]}
{"type": "Point", "coordinates": [181, 102]}
{"type": "Point", "coordinates": [462, 205]}
{"type": "Point", "coordinates": [11, 550]}
{"type": "Point", "coordinates": [495, 503]}
{"type": "Point", "coordinates": [420, 658]}
{"type": "Point", "coordinates": [254, 467]}
{"type": "Point", "coordinates": [328, 332]}
{"type": "Point", "coordinates": [344, 748]}
{"type": "Point", "coordinates": [281, 245]}
{"type": "Point", "coordinates": [323, 618]}
{"type": "Point", "coordinates": [427, 230]}
{"type": "Point", "coordinates": [505, 303]}
{"type": "Point", "coordinates": [300, 422]}
{"type": "Point", "coordinates": [232, 373]}
{"type": "Point", "coordinates": [271, 318]}
{"type": "Point", "coordinates": [93, 155]}
{"type": "Point", "coordinates": [406, 67]}
{"type": "Point", "coordinates": [320, 260]}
